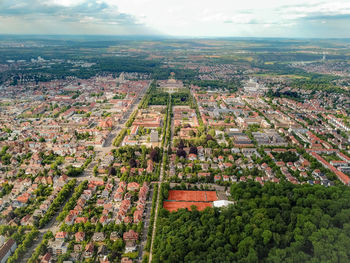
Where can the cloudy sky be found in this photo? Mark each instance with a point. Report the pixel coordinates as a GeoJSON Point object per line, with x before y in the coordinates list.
{"type": "Point", "coordinates": [248, 18]}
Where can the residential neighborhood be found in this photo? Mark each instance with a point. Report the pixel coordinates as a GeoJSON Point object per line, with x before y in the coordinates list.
{"type": "Point", "coordinates": [110, 161]}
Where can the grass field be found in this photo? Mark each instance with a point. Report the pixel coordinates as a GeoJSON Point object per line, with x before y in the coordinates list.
{"type": "Point", "coordinates": [331, 157]}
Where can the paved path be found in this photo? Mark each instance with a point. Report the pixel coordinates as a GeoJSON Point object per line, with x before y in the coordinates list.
{"type": "Point", "coordinates": [52, 226]}
{"type": "Point", "coordinates": [165, 148]}
{"type": "Point", "coordinates": [146, 226]}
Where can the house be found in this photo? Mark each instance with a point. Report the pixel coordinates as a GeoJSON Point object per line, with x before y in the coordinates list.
{"type": "Point", "coordinates": [192, 157]}
{"type": "Point", "coordinates": [227, 165]}
{"type": "Point", "coordinates": [101, 202]}
{"type": "Point", "coordinates": [108, 207]}
{"type": "Point", "coordinates": [130, 235]}
{"type": "Point", "coordinates": [103, 220]}
{"type": "Point", "coordinates": [114, 236]}
{"type": "Point", "coordinates": [137, 216]}
{"type": "Point", "coordinates": [7, 249]}
{"type": "Point", "coordinates": [75, 256]}
{"type": "Point", "coordinates": [79, 236]}
{"type": "Point", "coordinates": [269, 172]}
{"type": "Point", "coordinates": [105, 193]}
{"type": "Point", "coordinates": [126, 260]}
{"type": "Point", "coordinates": [226, 178]}
{"type": "Point", "coordinates": [203, 175]}
{"type": "Point", "coordinates": [133, 186]}
{"type": "Point", "coordinates": [78, 208]}
{"type": "Point", "coordinates": [98, 237]}
{"type": "Point", "coordinates": [234, 179]}
{"type": "Point", "coordinates": [130, 238]}
{"type": "Point", "coordinates": [102, 251]}
{"type": "Point", "coordinates": [316, 172]}
{"type": "Point", "coordinates": [243, 179]}
{"type": "Point", "coordinates": [118, 197]}
{"type": "Point", "coordinates": [27, 220]}
{"type": "Point", "coordinates": [23, 199]}
{"type": "Point", "coordinates": [217, 178]}
{"type": "Point", "coordinates": [69, 220]}
{"type": "Point", "coordinates": [61, 236]}
{"type": "Point", "coordinates": [87, 194]}
{"type": "Point", "coordinates": [205, 166]}
{"type": "Point", "coordinates": [214, 166]}
{"type": "Point", "coordinates": [47, 258]}
{"type": "Point", "coordinates": [89, 250]}
{"type": "Point", "coordinates": [280, 163]}
{"type": "Point", "coordinates": [303, 174]}
{"type": "Point", "coordinates": [81, 201]}
{"type": "Point", "coordinates": [77, 248]}
{"type": "Point", "coordinates": [58, 247]}
{"type": "Point", "coordinates": [62, 180]}
{"type": "Point", "coordinates": [150, 166]}
{"type": "Point", "coordinates": [81, 220]}
{"type": "Point", "coordinates": [207, 151]}
{"type": "Point", "coordinates": [38, 213]}
{"type": "Point", "coordinates": [104, 260]}
{"type": "Point", "coordinates": [127, 220]}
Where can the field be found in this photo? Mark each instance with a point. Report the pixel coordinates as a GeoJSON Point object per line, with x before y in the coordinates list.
{"type": "Point", "coordinates": [331, 157]}
{"type": "Point", "coordinates": [195, 196]}
{"type": "Point", "coordinates": [185, 199]}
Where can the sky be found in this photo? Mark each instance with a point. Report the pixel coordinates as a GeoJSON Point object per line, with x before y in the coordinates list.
{"type": "Point", "coordinates": [181, 18]}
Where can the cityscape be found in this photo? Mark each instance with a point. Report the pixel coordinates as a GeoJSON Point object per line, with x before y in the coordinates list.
{"type": "Point", "coordinates": [158, 148]}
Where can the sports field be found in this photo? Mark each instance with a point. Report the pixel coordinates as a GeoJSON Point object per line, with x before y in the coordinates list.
{"type": "Point", "coordinates": [185, 199]}
{"type": "Point", "coordinates": [196, 196]}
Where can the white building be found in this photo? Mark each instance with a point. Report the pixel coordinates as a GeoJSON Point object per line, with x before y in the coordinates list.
{"type": "Point", "coordinates": [7, 249]}
{"type": "Point", "coordinates": [222, 203]}
{"type": "Point", "coordinates": [154, 136]}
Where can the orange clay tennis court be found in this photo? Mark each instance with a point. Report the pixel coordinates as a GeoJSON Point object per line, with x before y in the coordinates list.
{"type": "Point", "coordinates": [174, 206]}
{"type": "Point", "coordinates": [185, 199]}
{"type": "Point", "coordinates": [196, 196]}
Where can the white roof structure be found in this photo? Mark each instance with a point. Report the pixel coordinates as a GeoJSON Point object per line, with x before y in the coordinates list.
{"type": "Point", "coordinates": [222, 203]}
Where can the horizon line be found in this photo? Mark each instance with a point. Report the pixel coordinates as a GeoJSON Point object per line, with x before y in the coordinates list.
{"type": "Point", "coordinates": [169, 36]}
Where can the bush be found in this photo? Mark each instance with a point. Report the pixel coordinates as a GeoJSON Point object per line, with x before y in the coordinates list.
{"type": "Point", "coordinates": [72, 201]}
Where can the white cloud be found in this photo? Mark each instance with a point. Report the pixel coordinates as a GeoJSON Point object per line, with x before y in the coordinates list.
{"type": "Point", "coordinates": [66, 3]}
{"type": "Point", "coordinates": [188, 17]}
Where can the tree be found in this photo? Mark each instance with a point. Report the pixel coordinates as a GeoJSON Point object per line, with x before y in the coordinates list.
{"type": "Point", "coordinates": [181, 144]}
{"type": "Point", "coordinates": [267, 234]}
{"type": "Point", "coordinates": [193, 150]}
{"type": "Point", "coordinates": [181, 153]}
{"type": "Point", "coordinates": [112, 171]}
{"type": "Point", "coordinates": [270, 223]}
{"type": "Point", "coordinates": [209, 137]}
{"type": "Point", "coordinates": [132, 163]}
{"type": "Point", "coordinates": [154, 154]}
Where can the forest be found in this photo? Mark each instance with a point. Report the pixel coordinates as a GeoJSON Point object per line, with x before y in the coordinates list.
{"type": "Point", "coordinates": [232, 85]}
{"type": "Point", "coordinates": [180, 98]}
{"type": "Point", "coordinates": [158, 98]}
{"type": "Point", "coordinates": [270, 223]}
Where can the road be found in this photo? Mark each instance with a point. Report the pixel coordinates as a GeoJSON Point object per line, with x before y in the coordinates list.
{"type": "Point", "coordinates": [106, 148]}
{"type": "Point", "coordinates": [146, 225]}
{"type": "Point", "coordinates": [52, 226]}
{"type": "Point", "coordinates": [165, 148]}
